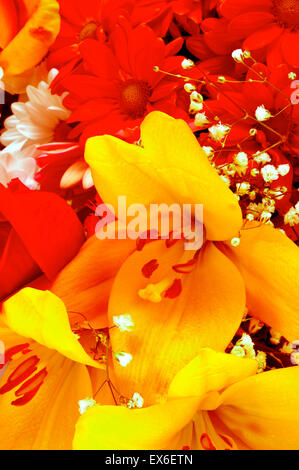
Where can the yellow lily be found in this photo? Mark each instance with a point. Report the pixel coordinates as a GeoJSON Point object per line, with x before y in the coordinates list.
{"type": "Point", "coordinates": [45, 373]}
{"type": "Point", "coordinates": [27, 30]}
{"type": "Point", "coordinates": [216, 402]}
{"type": "Point", "coordinates": [173, 324]}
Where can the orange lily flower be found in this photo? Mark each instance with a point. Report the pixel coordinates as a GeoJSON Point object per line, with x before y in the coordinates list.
{"type": "Point", "coordinates": [173, 324]}
{"type": "Point", "coordinates": [27, 30]}
{"type": "Point", "coordinates": [216, 402]}
{"type": "Point", "coordinates": [44, 375]}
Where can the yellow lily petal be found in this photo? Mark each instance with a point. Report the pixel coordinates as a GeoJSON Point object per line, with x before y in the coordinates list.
{"type": "Point", "coordinates": [48, 421]}
{"type": "Point", "coordinates": [171, 168]}
{"type": "Point", "coordinates": [269, 264]}
{"type": "Point", "coordinates": [31, 43]}
{"type": "Point", "coordinates": [115, 427]}
{"type": "Point", "coordinates": [167, 425]}
{"type": "Point", "coordinates": [263, 410]}
{"type": "Point", "coordinates": [167, 335]}
{"type": "Point", "coordinates": [42, 316]}
{"type": "Point", "coordinates": [183, 168]}
{"type": "Point", "coordinates": [210, 371]}
{"type": "Point", "coordinates": [120, 169]}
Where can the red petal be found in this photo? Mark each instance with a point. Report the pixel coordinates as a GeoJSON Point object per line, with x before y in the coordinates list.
{"type": "Point", "coordinates": [232, 8]}
{"type": "Point", "coordinates": [47, 226]}
{"type": "Point", "coordinates": [262, 38]}
{"type": "Point", "coordinates": [246, 24]}
{"type": "Point", "coordinates": [290, 49]}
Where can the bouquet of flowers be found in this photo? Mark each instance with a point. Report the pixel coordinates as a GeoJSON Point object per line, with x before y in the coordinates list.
{"type": "Point", "coordinates": [149, 223]}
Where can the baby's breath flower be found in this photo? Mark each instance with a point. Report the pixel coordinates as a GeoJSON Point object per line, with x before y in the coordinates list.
{"type": "Point", "coordinates": [291, 217]}
{"type": "Point", "coordinates": [262, 114]}
{"type": "Point", "coordinates": [187, 64]}
{"type": "Point", "coordinates": [209, 151]}
{"type": "Point", "coordinates": [136, 401]}
{"type": "Point", "coordinates": [283, 170]}
{"type": "Point", "coordinates": [238, 56]}
{"type": "Point", "coordinates": [123, 358]}
{"type": "Point", "coordinates": [85, 404]}
{"type": "Point", "coordinates": [201, 120]}
{"type": "Point", "coordinates": [123, 322]}
{"type": "Point", "coordinates": [241, 159]}
{"type": "Point", "coordinates": [269, 173]}
{"type": "Point", "coordinates": [188, 87]}
{"type": "Point", "coordinates": [262, 158]}
{"type": "Point", "coordinates": [219, 131]}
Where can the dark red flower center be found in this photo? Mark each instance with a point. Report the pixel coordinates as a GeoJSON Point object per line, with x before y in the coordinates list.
{"type": "Point", "coordinates": [134, 96]}
{"type": "Point", "coordinates": [287, 13]}
{"type": "Point", "coordinates": [89, 31]}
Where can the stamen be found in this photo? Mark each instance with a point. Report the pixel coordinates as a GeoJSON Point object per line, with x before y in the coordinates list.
{"type": "Point", "coordinates": [174, 290]}
{"type": "Point", "coordinates": [30, 388]}
{"type": "Point", "coordinates": [20, 348]}
{"type": "Point", "coordinates": [206, 442]}
{"type": "Point", "coordinates": [153, 292]}
{"type": "Point", "coordinates": [21, 373]}
{"type": "Point", "coordinates": [147, 237]}
{"type": "Point", "coordinates": [185, 268]}
{"type": "Point", "coordinates": [149, 268]}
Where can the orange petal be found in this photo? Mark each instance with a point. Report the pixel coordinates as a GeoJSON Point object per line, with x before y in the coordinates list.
{"type": "Point", "coordinates": [85, 283]}
{"type": "Point", "coordinates": [263, 410]}
{"type": "Point", "coordinates": [8, 22]}
{"type": "Point", "coordinates": [48, 420]}
{"type": "Point", "coordinates": [269, 264]}
{"type": "Point", "coordinates": [32, 42]}
{"type": "Point", "coordinates": [167, 335]}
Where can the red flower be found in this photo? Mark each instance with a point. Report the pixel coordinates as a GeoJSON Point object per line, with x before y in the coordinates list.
{"type": "Point", "coordinates": [159, 14]}
{"type": "Point", "coordinates": [268, 25]}
{"type": "Point", "coordinates": [81, 20]}
{"type": "Point", "coordinates": [263, 86]}
{"type": "Point", "coordinates": [39, 232]}
{"type": "Point", "coordinates": [257, 157]}
{"type": "Point", "coordinates": [116, 85]}
{"type": "Point", "coordinates": [214, 48]}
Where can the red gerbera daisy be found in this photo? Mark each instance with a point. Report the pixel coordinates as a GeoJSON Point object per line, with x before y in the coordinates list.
{"type": "Point", "coordinates": [116, 85]}
{"type": "Point", "coordinates": [159, 14]}
{"type": "Point", "coordinates": [272, 25]}
{"type": "Point", "coordinates": [81, 20]}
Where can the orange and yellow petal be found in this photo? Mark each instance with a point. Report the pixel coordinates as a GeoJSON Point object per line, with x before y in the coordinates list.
{"type": "Point", "coordinates": [115, 427]}
{"type": "Point", "coordinates": [210, 371]}
{"type": "Point", "coordinates": [31, 42]}
{"type": "Point", "coordinates": [170, 333]}
{"type": "Point", "coordinates": [42, 316]}
{"type": "Point", "coordinates": [262, 411]}
{"type": "Point", "coordinates": [181, 166]}
{"type": "Point", "coordinates": [47, 421]}
{"type": "Point", "coordinates": [171, 167]}
{"type": "Point", "coordinates": [85, 283]}
{"type": "Point", "coordinates": [169, 425]}
{"type": "Point", "coordinates": [8, 22]}
{"type": "Point", "coordinates": [269, 264]}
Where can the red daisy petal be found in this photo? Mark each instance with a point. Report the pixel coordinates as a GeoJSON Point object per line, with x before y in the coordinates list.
{"type": "Point", "coordinates": [290, 49]}
{"type": "Point", "coordinates": [232, 8]}
{"type": "Point", "coordinates": [248, 23]}
{"type": "Point", "coordinates": [262, 38]}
